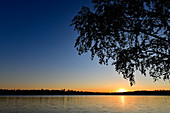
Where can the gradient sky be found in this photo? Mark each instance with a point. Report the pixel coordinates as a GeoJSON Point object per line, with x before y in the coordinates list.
{"type": "Point", "coordinates": [37, 50]}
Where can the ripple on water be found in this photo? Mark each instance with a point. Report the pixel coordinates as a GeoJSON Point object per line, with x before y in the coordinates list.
{"type": "Point", "coordinates": [85, 104]}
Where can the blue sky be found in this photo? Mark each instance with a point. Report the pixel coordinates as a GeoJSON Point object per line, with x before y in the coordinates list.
{"type": "Point", "coordinates": [37, 50]}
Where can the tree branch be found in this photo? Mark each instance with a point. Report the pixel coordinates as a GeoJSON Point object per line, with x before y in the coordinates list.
{"type": "Point", "coordinates": [160, 38]}
{"type": "Point", "coordinates": [142, 31]}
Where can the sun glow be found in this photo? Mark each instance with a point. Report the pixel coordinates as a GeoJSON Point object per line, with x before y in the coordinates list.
{"type": "Point", "coordinates": [121, 90]}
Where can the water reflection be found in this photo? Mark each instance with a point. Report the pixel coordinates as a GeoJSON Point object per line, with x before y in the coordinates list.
{"type": "Point", "coordinates": [122, 99]}
{"type": "Point", "coordinates": [85, 104]}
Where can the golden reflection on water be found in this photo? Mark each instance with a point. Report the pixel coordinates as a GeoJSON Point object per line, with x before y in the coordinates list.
{"type": "Point", "coordinates": [122, 99]}
{"type": "Point", "coordinates": [85, 104]}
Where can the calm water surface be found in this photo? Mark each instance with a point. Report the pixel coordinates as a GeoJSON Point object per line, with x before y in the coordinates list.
{"type": "Point", "coordinates": [84, 104]}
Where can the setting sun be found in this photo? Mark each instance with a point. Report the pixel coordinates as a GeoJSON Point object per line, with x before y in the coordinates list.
{"type": "Point", "coordinates": [121, 90]}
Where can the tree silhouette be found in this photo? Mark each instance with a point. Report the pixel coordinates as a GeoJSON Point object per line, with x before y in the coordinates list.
{"type": "Point", "coordinates": [134, 34]}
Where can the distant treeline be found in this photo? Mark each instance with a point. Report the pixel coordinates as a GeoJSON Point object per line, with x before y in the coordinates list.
{"type": "Point", "coordinates": [72, 92]}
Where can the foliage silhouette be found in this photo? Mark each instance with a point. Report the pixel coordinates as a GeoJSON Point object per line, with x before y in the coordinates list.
{"type": "Point", "coordinates": [134, 34]}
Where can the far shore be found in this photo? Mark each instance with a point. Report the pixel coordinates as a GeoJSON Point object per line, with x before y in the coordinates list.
{"type": "Point", "coordinates": [72, 92]}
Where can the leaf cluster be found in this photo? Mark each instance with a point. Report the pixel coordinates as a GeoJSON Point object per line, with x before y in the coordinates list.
{"type": "Point", "coordinates": [133, 34]}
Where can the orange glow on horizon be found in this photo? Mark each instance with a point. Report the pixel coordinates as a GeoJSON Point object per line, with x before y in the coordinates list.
{"type": "Point", "coordinates": [121, 90]}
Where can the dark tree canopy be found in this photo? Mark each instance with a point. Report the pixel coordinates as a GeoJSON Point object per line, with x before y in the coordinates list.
{"type": "Point", "coordinates": [132, 34]}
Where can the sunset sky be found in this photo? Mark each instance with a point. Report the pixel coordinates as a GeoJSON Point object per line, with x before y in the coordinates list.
{"type": "Point", "coordinates": [37, 51]}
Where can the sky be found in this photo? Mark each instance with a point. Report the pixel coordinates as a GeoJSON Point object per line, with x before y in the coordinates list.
{"type": "Point", "coordinates": [37, 51]}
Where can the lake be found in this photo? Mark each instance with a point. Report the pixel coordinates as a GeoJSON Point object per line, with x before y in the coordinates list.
{"type": "Point", "coordinates": [84, 104]}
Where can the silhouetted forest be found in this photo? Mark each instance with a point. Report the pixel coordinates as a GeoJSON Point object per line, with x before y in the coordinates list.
{"type": "Point", "coordinates": [72, 92]}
